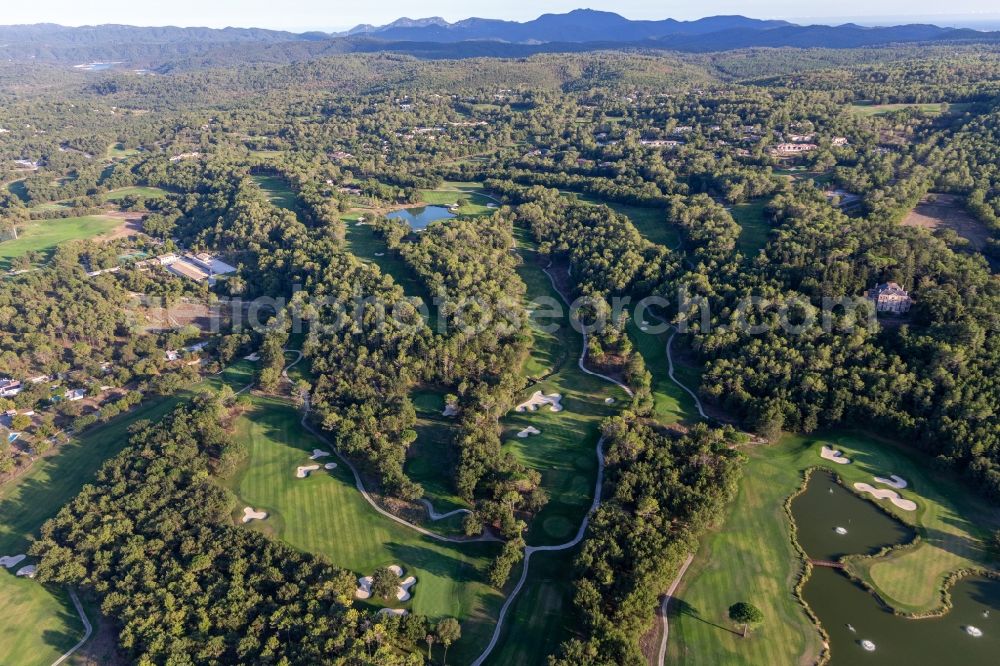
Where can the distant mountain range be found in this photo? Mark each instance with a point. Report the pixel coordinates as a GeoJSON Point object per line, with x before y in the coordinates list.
{"type": "Point", "coordinates": [581, 25]}
{"type": "Point", "coordinates": [579, 30]}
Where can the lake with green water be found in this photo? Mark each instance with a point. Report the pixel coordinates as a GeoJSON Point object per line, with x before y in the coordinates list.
{"type": "Point", "coordinates": [850, 614]}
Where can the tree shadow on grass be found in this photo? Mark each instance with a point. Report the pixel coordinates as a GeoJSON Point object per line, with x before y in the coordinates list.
{"type": "Point", "coordinates": [435, 562]}
{"type": "Point", "coordinates": [679, 607]}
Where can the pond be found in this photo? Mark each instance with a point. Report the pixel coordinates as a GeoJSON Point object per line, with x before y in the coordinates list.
{"type": "Point", "coordinates": [850, 614]}
{"type": "Point", "coordinates": [419, 218]}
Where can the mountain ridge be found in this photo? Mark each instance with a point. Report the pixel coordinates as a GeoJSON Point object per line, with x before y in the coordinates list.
{"type": "Point", "coordinates": [162, 48]}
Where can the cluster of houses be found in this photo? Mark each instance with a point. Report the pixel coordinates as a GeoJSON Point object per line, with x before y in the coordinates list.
{"type": "Point", "coordinates": [11, 387]}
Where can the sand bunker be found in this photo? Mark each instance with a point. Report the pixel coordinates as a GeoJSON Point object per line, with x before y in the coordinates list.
{"type": "Point", "coordinates": [891, 495]}
{"type": "Point", "coordinates": [450, 410]}
{"type": "Point", "coordinates": [319, 453]}
{"type": "Point", "coordinates": [330, 466]}
{"type": "Point", "coordinates": [380, 254]}
{"type": "Point", "coordinates": [896, 482]}
{"type": "Point", "coordinates": [364, 590]}
{"type": "Point", "coordinates": [10, 561]}
{"type": "Point", "coordinates": [833, 454]}
{"type": "Point", "coordinates": [249, 514]}
{"type": "Point", "coordinates": [393, 611]}
{"type": "Point", "coordinates": [527, 432]}
{"type": "Point", "coordinates": [303, 472]}
{"type": "Point", "coordinates": [537, 399]}
{"type": "Point", "coordinates": [27, 572]}
{"type": "Point", "coordinates": [403, 591]}
{"type": "Point", "coordinates": [609, 401]}
{"type": "Point", "coordinates": [252, 357]}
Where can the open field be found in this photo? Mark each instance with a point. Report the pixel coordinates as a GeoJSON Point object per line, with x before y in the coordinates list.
{"type": "Point", "coordinates": [751, 555]}
{"type": "Point", "coordinates": [277, 190]}
{"type": "Point", "coordinates": [40, 622]}
{"type": "Point", "coordinates": [44, 235]}
{"type": "Point", "coordinates": [946, 211]}
{"type": "Point", "coordinates": [325, 514]}
{"type": "Point", "coordinates": [750, 217]}
{"type": "Point", "coordinates": [136, 191]}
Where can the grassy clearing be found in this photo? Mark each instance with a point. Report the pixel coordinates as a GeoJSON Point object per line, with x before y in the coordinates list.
{"type": "Point", "coordinates": [137, 191]}
{"type": "Point", "coordinates": [755, 228]}
{"type": "Point", "coordinates": [277, 190]}
{"type": "Point", "coordinates": [44, 235]}
{"type": "Point", "coordinates": [118, 151]}
{"type": "Point", "coordinates": [325, 514]}
{"type": "Point", "coordinates": [751, 555]}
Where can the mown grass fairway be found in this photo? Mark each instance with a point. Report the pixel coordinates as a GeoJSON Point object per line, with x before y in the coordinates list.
{"type": "Point", "coordinates": [671, 403]}
{"type": "Point", "coordinates": [39, 622]}
{"type": "Point", "coordinates": [368, 245]}
{"type": "Point", "coordinates": [564, 451]}
{"type": "Point", "coordinates": [543, 616]}
{"type": "Point", "coordinates": [325, 514]}
{"type": "Point", "coordinates": [137, 191]}
{"type": "Point", "coordinates": [277, 190]}
{"type": "Point", "coordinates": [751, 555]}
{"type": "Point", "coordinates": [118, 151]}
{"type": "Point", "coordinates": [755, 228]}
{"type": "Point", "coordinates": [44, 235]}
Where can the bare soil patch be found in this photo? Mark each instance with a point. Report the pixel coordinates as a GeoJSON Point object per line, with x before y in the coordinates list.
{"type": "Point", "coordinates": [937, 211]}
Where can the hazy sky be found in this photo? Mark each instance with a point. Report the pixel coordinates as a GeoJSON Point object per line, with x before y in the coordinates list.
{"type": "Point", "coordinates": [337, 14]}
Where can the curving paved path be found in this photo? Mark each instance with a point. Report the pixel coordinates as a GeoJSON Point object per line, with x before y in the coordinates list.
{"type": "Point", "coordinates": [598, 487]}
{"type": "Point", "coordinates": [434, 515]}
{"type": "Point", "coordinates": [664, 607]}
{"type": "Point", "coordinates": [670, 373]}
{"type": "Point", "coordinates": [359, 484]}
{"type": "Point", "coordinates": [87, 629]}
